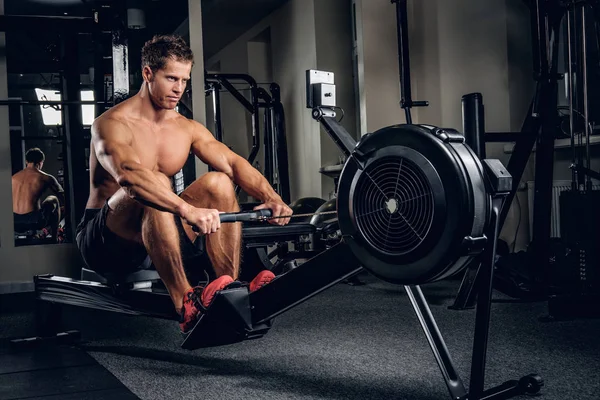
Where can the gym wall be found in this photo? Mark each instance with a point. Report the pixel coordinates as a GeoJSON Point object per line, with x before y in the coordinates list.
{"type": "Point", "coordinates": [333, 22]}
{"type": "Point", "coordinates": [301, 37]}
{"type": "Point", "coordinates": [456, 48]}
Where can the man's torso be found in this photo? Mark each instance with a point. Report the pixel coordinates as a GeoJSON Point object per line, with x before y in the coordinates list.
{"type": "Point", "coordinates": [160, 147]}
{"type": "Point", "coordinates": [28, 186]}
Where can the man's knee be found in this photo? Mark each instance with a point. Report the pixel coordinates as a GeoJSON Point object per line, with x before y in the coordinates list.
{"type": "Point", "coordinates": [218, 184]}
{"type": "Point", "coordinates": [51, 203]}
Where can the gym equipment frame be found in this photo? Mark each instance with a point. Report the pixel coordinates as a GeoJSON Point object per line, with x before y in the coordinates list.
{"type": "Point", "coordinates": [275, 152]}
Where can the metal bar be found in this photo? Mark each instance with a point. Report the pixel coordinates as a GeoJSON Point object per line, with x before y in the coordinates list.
{"type": "Point", "coordinates": [75, 161]}
{"type": "Point", "coordinates": [9, 102]}
{"type": "Point", "coordinates": [571, 92]}
{"type": "Point", "coordinates": [270, 158]}
{"type": "Point", "coordinates": [217, 112]}
{"type": "Point", "coordinates": [484, 305]}
{"type": "Point", "coordinates": [21, 143]}
{"type": "Point", "coordinates": [520, 157]}
{"type": "Point", "coordinates": [286, 291]}
{"type": "Point", "coordinates": [586, 171]}
{"type": "Point", "coordinates": [255, 124]}
{"type": "Point", "coordinates": [26, 23]}
{"type": "Point", "coordinates": [539, 42]}
{"type": "Point", "coordinates": [281, 141]}
{"type": "Point", "coordinates": [264, 95]}
{"type": "Point", "coordinates": [238, 96]}
{"type": "Point", "coordinates": [466, 298]}
{"type": "Point", "coordinates": [340, 136]}
{"type": "Point", "coordinates": [440, 351]}
{"type": "Point", "coordinates": [99, 67]}
{"type": "Point", "coordinates": [585, 95]}
{"type": "Point", "coordinates": [39, 137]}
{"type": "Point", "coordinates": [232, 77]}
{"type": "Point", "coordinates": [120, 53]}
{"type": "Point", "coordinates": [403, 57]}
{"type": "Point", "coordinates": [474, 123]}
{"type": "Point", "coordinates": [544, 171]}
{"type": "Point", "coordinates": [474, 131]}
{"type": "Point", "coordinates": [269, 167]}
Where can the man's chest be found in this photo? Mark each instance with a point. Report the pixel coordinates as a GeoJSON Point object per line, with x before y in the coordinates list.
{"type": "Point", "coordinates": [163, 150]}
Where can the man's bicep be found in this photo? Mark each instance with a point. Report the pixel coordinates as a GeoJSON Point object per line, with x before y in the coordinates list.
{"type": "Point", "coordinates": [55, 186]}
{"type": "Point", "coordinates": [211, 151]}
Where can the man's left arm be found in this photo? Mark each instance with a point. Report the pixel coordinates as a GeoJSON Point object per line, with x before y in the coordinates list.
{"type": "Point", "coordinates": [239, 170]}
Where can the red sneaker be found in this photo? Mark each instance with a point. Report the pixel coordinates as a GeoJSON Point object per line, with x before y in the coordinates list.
{"type": "Point", "coordinates": [198, 299]}
{"type": "Point", "coordinates": [260, 280]}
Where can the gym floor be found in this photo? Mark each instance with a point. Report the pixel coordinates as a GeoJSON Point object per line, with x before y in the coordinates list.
{"type": "Point", "coordinates": [349, 342]}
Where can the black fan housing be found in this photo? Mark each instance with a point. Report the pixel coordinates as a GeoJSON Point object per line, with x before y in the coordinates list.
{"type": "Point", "coordinates": [408, 196]}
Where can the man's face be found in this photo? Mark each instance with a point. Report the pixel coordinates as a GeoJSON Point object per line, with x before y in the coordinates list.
{"type": "Point", "coordinates": [166, 86]}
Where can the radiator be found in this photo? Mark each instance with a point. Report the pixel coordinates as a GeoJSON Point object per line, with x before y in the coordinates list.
{"type": "Point", "coordinates": [557, 187]}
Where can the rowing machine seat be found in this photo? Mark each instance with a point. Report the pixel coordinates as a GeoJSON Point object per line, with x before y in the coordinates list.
{"type": "Point", "coordinates": [145, 275]}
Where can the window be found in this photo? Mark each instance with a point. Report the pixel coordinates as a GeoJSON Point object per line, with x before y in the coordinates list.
{"type": "Point", "coordinates": [53, 116]}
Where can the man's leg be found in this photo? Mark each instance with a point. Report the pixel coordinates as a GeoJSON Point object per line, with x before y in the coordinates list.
{"type": "Point", "coordinates": [215, 190]}
{"type": "Point", "coordinates": [51, 210]}
{"type": "Point", "coordinates": [157, 232]}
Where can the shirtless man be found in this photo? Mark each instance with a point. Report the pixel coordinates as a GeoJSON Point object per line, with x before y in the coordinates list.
{"type": "Point", "coordinates": [132, 210]}
{"type": "Point", "coordinates": [28, 186]}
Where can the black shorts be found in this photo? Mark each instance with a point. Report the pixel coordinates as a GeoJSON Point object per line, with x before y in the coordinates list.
{"type": "Point", "coordinates": [31, 221]}
{"type": "Point", "coordinates": [105, 252]}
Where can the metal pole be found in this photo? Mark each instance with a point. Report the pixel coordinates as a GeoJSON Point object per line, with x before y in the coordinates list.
{"type": "Point", "coordinates": [217, 111]}
{"type": "Point", "coordinates": [585, 96]}
{"type": "Point", "coordinates": [10, 102]}
{"type": "Point", "coordinates": [403, 58]}
{"type": "Point", "coordinates": [571, 91]}
{"type": "Point", "coordinates": [474, 123]}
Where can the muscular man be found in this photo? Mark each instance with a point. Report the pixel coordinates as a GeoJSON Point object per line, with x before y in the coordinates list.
{"type": "Point", "coordinates": [132, 210]}
{"type": "Point", "coordinates": [28, 186]}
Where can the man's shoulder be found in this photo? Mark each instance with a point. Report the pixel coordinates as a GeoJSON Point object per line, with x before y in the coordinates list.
{"type": "Point", "coordinates": [181, 119]}
{"type": "Point", "coordinates": [109, 124]}
{"type": "Point", "coordinates": [46, 176]}
{"type": "Point", "coordinates": [194, 127]}
{"type": "Point", "coordinates": [18, 174]}
{"type": "Point", "coordinates": [112, 116]}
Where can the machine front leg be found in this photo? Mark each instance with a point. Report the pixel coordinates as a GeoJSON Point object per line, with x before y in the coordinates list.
{"type": "Point", "coordinates": [529, 384]}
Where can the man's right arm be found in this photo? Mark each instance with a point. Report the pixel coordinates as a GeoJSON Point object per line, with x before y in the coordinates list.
{"type": "Point", "coordinates": [57, 189]}
{"type": "Point", "coordinates": [112, 142]}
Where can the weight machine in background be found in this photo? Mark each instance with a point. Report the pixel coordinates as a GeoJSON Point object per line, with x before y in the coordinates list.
{"type": "Point", "coordinates": [275, 143]}
{"type": "Point", "coordinates": [576, 276]}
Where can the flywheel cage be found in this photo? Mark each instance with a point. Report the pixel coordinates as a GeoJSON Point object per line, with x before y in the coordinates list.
{"type": "Point", "coordinates": [395, 210]}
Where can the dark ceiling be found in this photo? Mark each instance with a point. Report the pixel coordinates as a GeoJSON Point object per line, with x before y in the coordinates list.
{"type": "Point", "coordinates": [34, 50]}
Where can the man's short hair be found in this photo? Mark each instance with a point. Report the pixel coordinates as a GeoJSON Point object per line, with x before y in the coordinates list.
{"type": "Point", "coordinates": [34, 155]}
{"type": "Point", "coordinates": [161, 48]}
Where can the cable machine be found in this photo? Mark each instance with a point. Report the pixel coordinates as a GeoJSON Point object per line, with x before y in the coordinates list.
{"type": "Point", "coordinates": [275, 143]}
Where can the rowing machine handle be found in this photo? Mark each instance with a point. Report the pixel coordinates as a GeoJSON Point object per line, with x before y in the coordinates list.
{"type": "Point", "coordinates": [245, 216]}
{"type": "Point", "coordinates": [242, 216]}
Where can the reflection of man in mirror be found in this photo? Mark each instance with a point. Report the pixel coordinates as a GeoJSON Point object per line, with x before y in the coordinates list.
{"type": "Point", "coordinates": [28, 186]}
